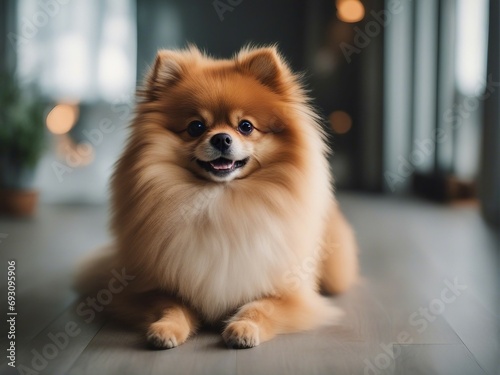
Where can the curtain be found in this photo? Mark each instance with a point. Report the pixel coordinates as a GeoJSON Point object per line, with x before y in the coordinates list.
{"type": "Point", "coordinates": [434, 94]}
{"type": "Point", "coordinates": [490, 173]}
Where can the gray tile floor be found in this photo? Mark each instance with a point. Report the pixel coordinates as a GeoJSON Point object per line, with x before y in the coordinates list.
{"type": "Point", "coordinates": [427, 302]}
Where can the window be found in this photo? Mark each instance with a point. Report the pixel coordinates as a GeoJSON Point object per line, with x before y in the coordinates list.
{"type": "Point", "coordinates": [77, 51]}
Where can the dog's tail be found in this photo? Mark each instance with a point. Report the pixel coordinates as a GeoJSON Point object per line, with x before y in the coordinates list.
{"type": "Point", "coordinates": [95, 270]}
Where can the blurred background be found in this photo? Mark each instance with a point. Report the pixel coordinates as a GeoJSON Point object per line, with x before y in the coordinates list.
{"type": "Point", "coordinates": [408, 89]}
{"type": "Point", "coordinates": [410, 96]}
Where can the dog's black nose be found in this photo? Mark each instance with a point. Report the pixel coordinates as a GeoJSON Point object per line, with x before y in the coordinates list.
{"type": "Point", "coordinates": [221, 141]}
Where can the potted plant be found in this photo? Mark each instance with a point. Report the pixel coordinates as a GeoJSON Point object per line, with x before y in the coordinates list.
{"type": "Point", "coordinates": [22, 137]}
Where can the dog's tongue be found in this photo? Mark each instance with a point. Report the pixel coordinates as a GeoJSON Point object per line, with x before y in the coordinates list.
{"type": "Point", "coordinates": [221, 164]}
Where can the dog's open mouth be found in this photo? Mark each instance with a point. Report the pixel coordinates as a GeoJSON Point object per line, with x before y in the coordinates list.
{"type": "Point", "coordinates": [221, 166]}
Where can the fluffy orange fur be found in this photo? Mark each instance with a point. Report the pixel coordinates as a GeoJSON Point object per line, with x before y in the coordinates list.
{"type": "Point", "coordinates": [250, 248]}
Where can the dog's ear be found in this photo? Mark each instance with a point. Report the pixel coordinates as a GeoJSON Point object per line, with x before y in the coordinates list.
{"type": "Point", "coordinates": [167, 70]}
{"type": "Point", "coordinates": [264, 64]}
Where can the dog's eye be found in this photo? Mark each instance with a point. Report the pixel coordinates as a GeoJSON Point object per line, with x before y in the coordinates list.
{"type": "Point", "coordinates": [245, 127]}
{"type": "Point", "coordinates": [196, 128]}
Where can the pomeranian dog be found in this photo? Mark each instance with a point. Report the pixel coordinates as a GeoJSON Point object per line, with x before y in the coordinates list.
{"type": "Point", "coordinates": [222, 205]}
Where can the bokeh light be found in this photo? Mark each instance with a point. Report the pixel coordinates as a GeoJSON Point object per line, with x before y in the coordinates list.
{"type": "Point", "coordinates": [340, 121]}
{"type": "Point", "coordinates": [350, 11]}
{"type": "Point", "coordinates": [62, 118]}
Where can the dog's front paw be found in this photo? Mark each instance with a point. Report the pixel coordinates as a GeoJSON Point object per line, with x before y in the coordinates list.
{"type": "Point", "coordinates": [165, 335]}
{"type": "Point", "coordinates": [241, 334]}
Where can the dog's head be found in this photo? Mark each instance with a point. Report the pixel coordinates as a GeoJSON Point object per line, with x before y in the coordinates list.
{"type": "Point", "coordinates": [225, 119]}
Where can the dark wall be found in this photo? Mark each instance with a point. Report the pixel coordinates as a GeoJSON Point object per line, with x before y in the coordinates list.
{"type": "Point", "coordinates": [173, 24]}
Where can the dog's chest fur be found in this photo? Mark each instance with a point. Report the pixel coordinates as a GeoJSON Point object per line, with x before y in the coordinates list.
{"type": "Point", "coordinates": [221, 255]}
